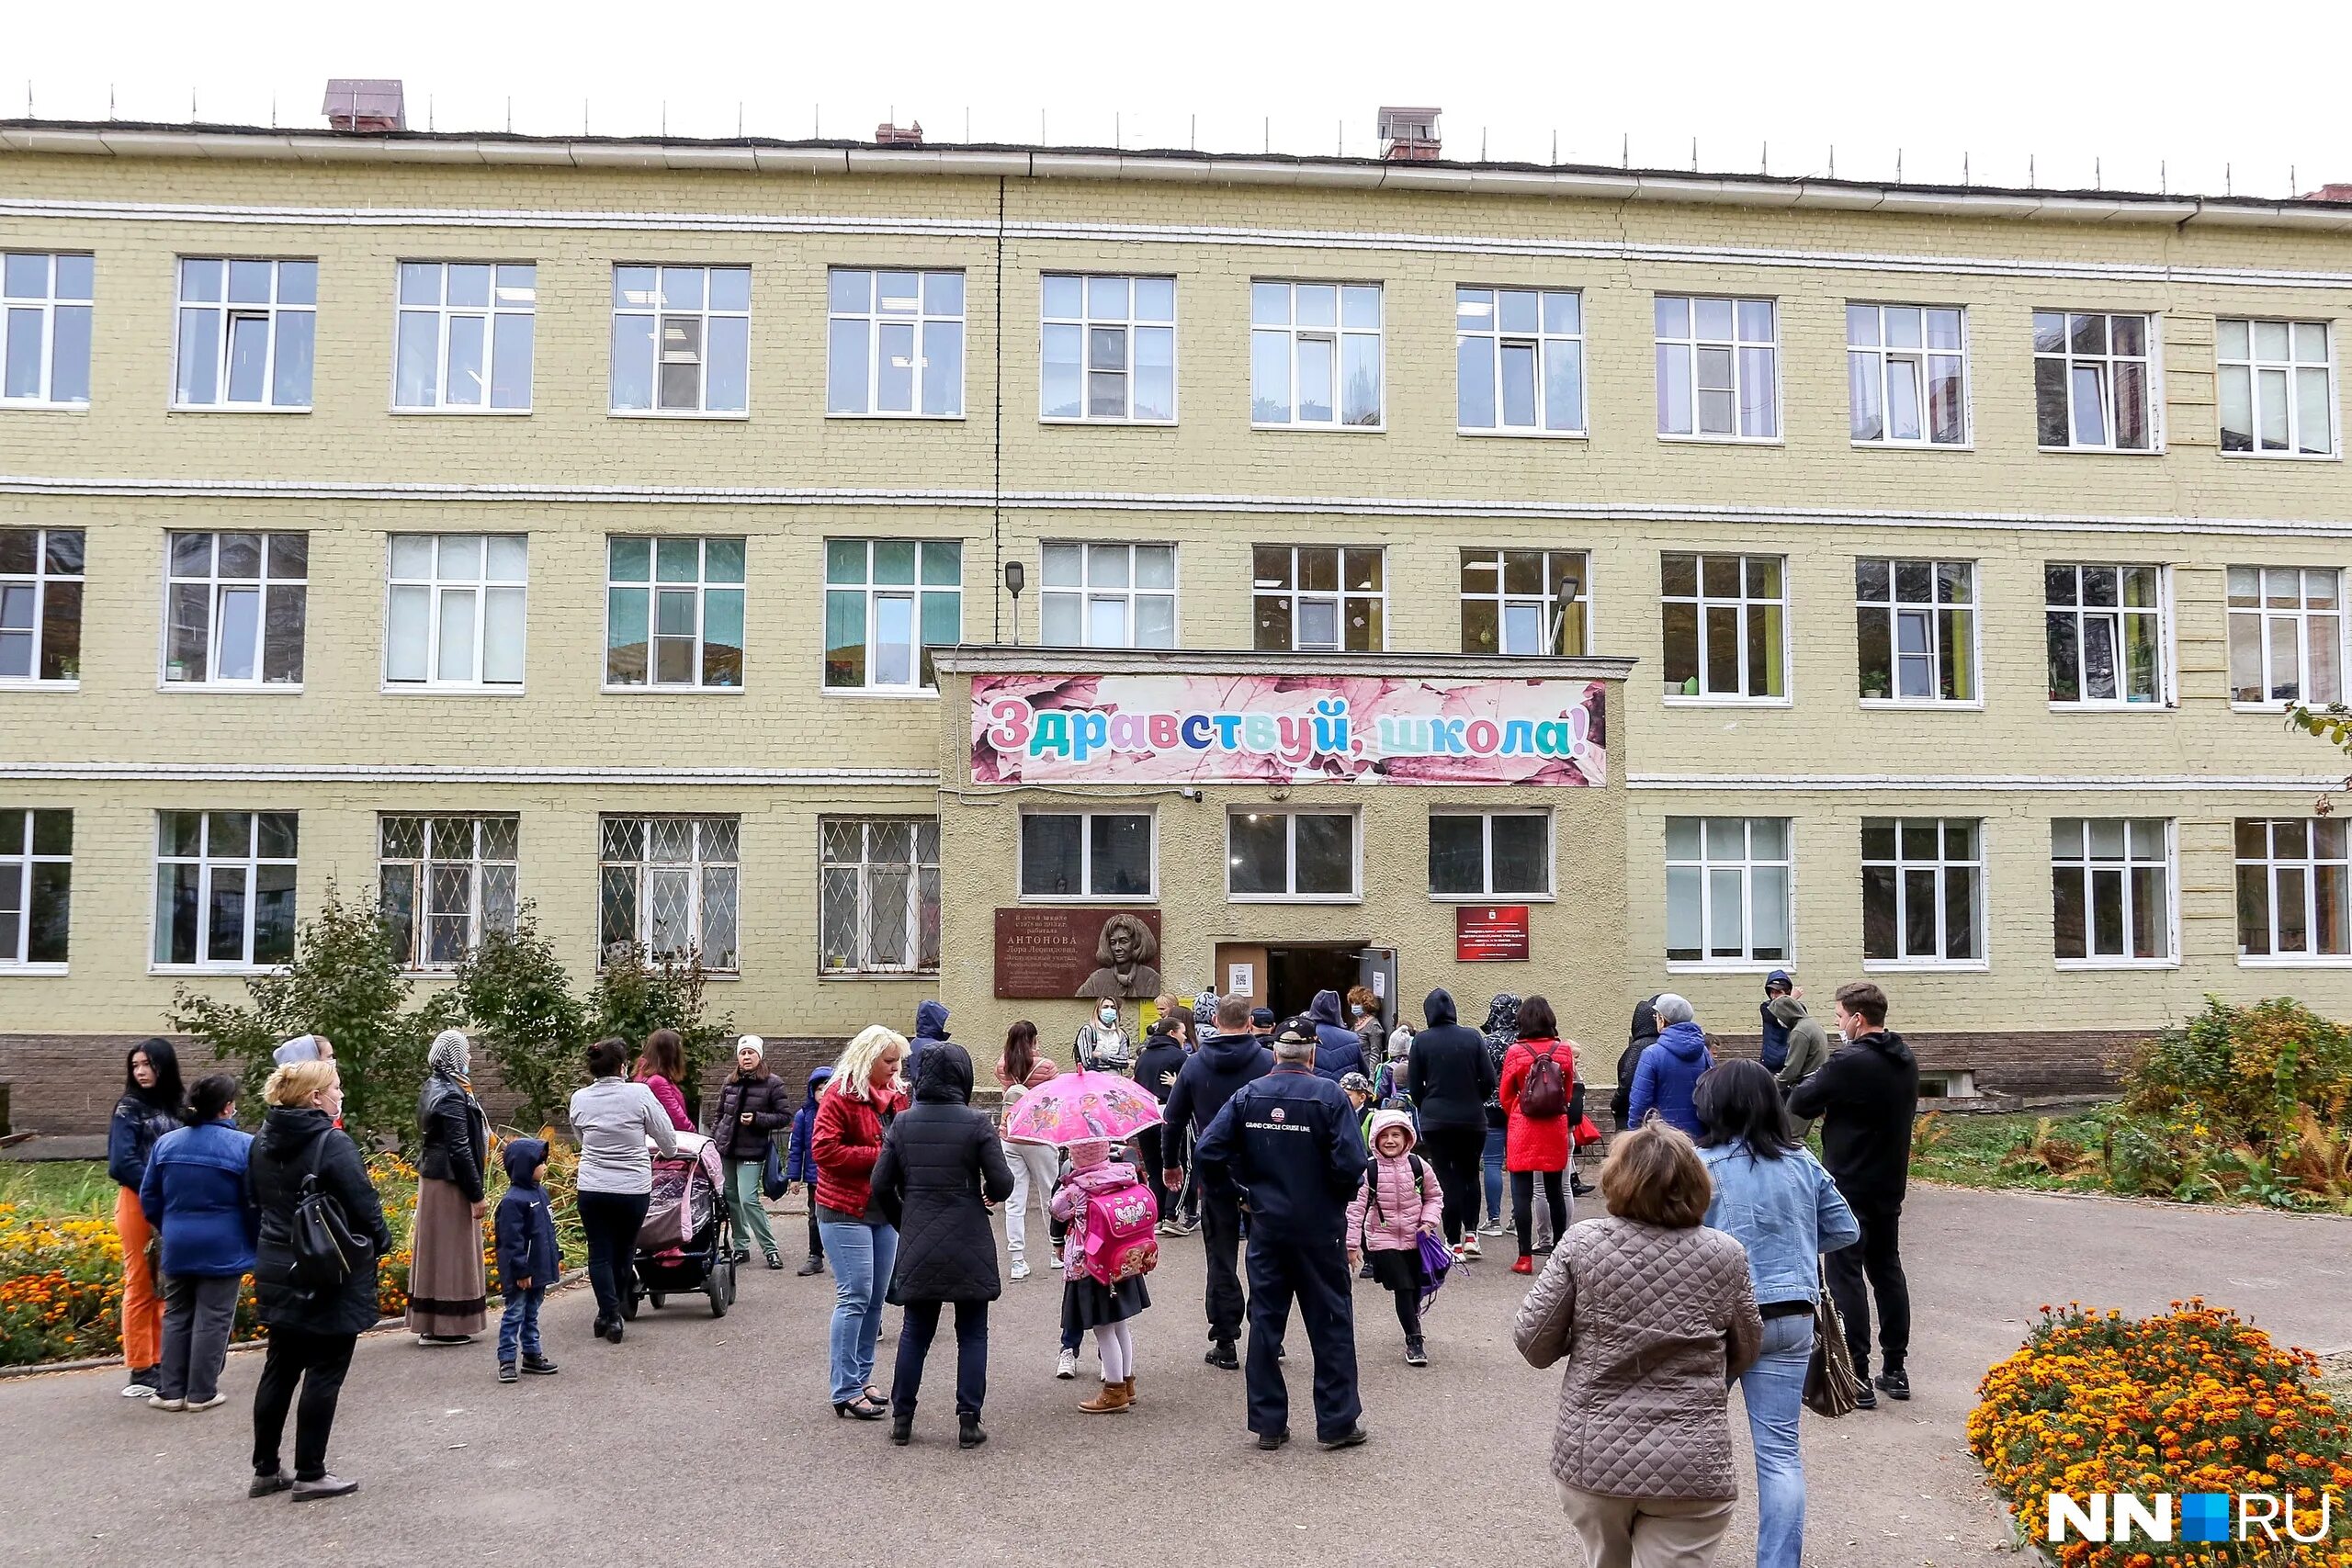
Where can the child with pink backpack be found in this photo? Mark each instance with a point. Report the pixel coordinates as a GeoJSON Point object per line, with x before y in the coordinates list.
{"type": "Point", "coordinates": [1111, 1245]}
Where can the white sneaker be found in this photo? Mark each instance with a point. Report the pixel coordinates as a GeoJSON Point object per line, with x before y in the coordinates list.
{"type": "Point", "coordinates": [139, 1391]}
{"type": "Point", "coordinates": [215, 1403]}
{"type": "Point", "coordinates": [161, 1404]}
{"type": "Point", "coordinates": [1020, 1270]}
{"type": "Point", "coordinates": [1469, 1245]}
{"type": "Point", "coordinates": [1068, 1366]}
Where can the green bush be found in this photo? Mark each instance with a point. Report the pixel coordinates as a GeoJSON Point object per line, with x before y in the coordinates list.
{"type": "Point", "coordinates": [632, 999]}
{"type": "Point", "coordinates": [516, 996]}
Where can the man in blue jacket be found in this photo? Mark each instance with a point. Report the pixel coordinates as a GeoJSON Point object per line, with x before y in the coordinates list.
{"type": "Point", "coordinates": [1289, 1143]}
{"type": "Point", "coordinates": [1227, 1060]}
{"type": "Point", "coordinates": [1339, 1050]}
{"type": "Point", "coordinates": [930, 1028]}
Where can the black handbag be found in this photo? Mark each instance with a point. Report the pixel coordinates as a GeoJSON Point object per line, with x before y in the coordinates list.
{"type": "Point", "coordinates": [1830, 1386]}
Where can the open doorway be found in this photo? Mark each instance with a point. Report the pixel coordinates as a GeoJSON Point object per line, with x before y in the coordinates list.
{"type": "Point", "coordinates": [1295, 974]}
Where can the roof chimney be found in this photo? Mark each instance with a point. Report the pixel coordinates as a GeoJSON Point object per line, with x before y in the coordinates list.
{"type": "Point", "coordinates": [889, 135]}
{"type": "Point", "coordinates": [2332, 192]}
{"type": "Point", "coordinates": [1410, 134]}
{"type": "Point", "coordinates": [365, 104]}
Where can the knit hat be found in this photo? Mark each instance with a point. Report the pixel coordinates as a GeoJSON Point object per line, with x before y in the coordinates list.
{"type": "Point", "coordinates": [1205, 1010]}
{"type": "Point", "coordinates": [450, 1055]}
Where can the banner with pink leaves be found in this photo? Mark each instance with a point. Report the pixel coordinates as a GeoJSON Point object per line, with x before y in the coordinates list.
{"type": "Point", "coordinates": [1285, 729]}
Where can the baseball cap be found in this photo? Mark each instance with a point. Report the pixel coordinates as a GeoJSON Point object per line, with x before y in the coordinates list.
{"type": "Point", "coordinates": [1299, 1030]}
{"type": "Point", "coordinates": [1262, 1018]}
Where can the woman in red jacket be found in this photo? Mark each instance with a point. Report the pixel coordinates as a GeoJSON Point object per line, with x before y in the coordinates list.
{"type": "Point", "coordinates": [1536, 1144]}
{"type": "Point", "coordinates": [846, 1140]}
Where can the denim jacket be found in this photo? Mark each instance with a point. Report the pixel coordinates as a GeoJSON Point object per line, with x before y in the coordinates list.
{"type": "Point", "coordinates": [1786, 1212]}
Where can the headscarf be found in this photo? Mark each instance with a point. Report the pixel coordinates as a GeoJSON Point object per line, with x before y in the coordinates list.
{"type": "Point", "coordinates": [301, 1048]}
{"type": "Point", "coordinates": [1204, 1011]}
{"type": "Point", "coordinates": [450, 1055]}
{"type": "Point", "coordinates": [1502, 1019]}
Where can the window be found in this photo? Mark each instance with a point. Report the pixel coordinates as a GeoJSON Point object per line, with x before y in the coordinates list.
{"type": "Point", "coordinates": [1494, 855]}
{"type": "Point", "coordinates": [1519, 354]}
{"type": "Point", "coordinates": [1319, 598]}
{"type": "Point", "coordinates": [1727, 890]}
{"type": "Point", "coordinates": [1916, 626]}
{"type": "Point", "coordinates": [2294, 897]}
{"type": "Point", "coordinates": [1524, 601]}
{"type": "Point", "coordinates": [1726, 626]}
{"type": "Point", "coordinates": [888, 603]}
{"type": "Point", "coordinates": [237, 609]}
{"type": "Point", "coordinates": [1923, 890]}
{"type": "Point", "coordinates": [246, 331]}
{"type": "Point", "coordinates": [455, 614]}
{"type": "Point", "coordinates": [682, 339]}
{"type": "Point", "coordinates": [1070, 854]}
{"type": "Point", "coordinates": [880, 896]}
{"type": "Point", "coordinates": [1718, 368]}
{"type": "Point", "coordinates": [1109, 349]}
{"type": "Point", "coordinates": [444, 881]}
{"type": "Point", "coordinates": [36, 889]}
{"type": "Point", "coordinates": [2277, 389]}
{"type": "Point", "coordinates": [464, 336]}
{"type": "Point", "coordinates": [668, 884]}
{"type": "Point", "coordinates": [2092, 382]}
{"type": "Point", "coordinates": [673, 613]}
{"type": "Point", "coordinates": [2107, 634]}
{"type": "Point", "coordinates": [2110, 890]}
{"type": "Point", "coordinates": [224, 888]}
{"type": "Point", "coordinates": [47, 336]}
{"type": "Point", "coordinates": [1304, 855]}
{"type": "Point", "coordinates": [2286, 635]}
{"type": "Point", "coordinates": [1906, 369]}
{"type": "Point", "coordinates": [1110, 595]}
{"type": "Point", "coordinates": [1315, 355]}
{"type": "Point", "coordinates": [894, 343]}
{"type": "Point", "coordinates": [40, 606]}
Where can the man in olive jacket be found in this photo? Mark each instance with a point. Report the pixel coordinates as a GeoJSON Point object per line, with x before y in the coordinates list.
{"type": "Point", "coordinates": [1802, 1044]}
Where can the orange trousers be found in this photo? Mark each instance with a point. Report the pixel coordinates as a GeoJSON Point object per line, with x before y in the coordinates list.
{"type": "Point", "coordinates": [142, 1300]}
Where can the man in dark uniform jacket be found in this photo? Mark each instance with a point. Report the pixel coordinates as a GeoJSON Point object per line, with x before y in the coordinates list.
{"type": "Point", "coordinates": [1289, 1143]}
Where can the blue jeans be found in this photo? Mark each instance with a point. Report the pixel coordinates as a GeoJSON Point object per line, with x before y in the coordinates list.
{"type": "Point", "coordinates": [1494, 1174]}
{"type": "Point", "coordinates": [1773, 1390]}
{"type": "Point", "coordinates": [862, 1257]}
{"type": "Point", "coordinates": [519, 1324]}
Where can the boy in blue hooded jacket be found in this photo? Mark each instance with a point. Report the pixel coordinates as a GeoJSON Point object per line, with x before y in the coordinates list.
{"type": "Point", "coordinates": [529, 1258]}
{"type": "Point", "coordinates": [799, 1167]}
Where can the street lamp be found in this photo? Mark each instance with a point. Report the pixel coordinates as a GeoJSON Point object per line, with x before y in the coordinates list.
{"type": "Point", "coordinates": [1016, 577]}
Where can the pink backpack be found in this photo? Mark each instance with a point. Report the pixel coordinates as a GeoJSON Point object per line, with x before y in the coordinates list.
{"type": "Point", "coordinates": [1120, 1240]}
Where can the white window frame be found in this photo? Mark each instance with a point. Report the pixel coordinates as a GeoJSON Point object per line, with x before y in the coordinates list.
{"type": "Point", "coordinates": [2252, 364]}
{"type": "Point", "coordinates": [19, 854]}
{"type": "Point", "coordinates": [1087, 595]}
{"type": "Point", "coordinates": [480, 868]}
{"type": "Point", "coordinates": [1548, 603]}
{"type": "Point", "coordinates": [1293, 332]}
{"type": "Point", "coordinates": [1881, 356]}
{"type": "Point", "coordinates": [38, 580]}
{"type": "Point", "coordinates": [653, 585]}
{"type": "Point", "coordinates": [658, 313]}
{"type": "Point", "coordinates": [1702, 602]}
{"type": "Point", "coordinates": [2313, 627]}
{"type": "Point", "coordinates": [2167, 689]}
{"type": "Point", "coordinates": [2089, 867]}
{"type": "Point", "coordinates": [1290, 814]}
{"type": "Point", "coordinates": [1150, 895]}
{"type": "Point", "coordinates": [2104, 364]}
{"type": "Point", "coordinates": [916, 592]}
{"type": "Point", "coordinates": [1895, 608]}
{"type": "Point", "coordinates": [2271, 864]}
{"type": "Point", "coordinates": [42, 308]}
{"type": "Point", "coordinates": [1489, 893]}
{"type": "Point", "coordinates": [1085, 323]}
{"type": "Point", "coordinates": [1943, 867]}
{"type": "Point", "coordinates": [436, 588]}
{"type": "Point", "coordinates": [862, 869]}
{"type": "Point", "coordinates": [698, 865]}
{"type": "Point", "coordinates": [1539, 342]}
{"type": "Point", "coordinates": [498, 308]}
{"type": "Point", "coordinates": [875, 317]}
{"type": "Point", "coordinates": [1747, 865]}
{"type": "Point", "coordinates": [273, 311]}
{"type": "Point", "coordinates": [1336, 597]}
{"type": "Point", "coordinates": [215, 586]}
{"type": "Point", "coordinates": [209, 861]}
{"type": "Point", "coordinates": [1690, 343]}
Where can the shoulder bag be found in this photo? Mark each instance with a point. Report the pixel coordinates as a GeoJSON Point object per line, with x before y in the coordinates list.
{"type": "Point", "coordinates": [1830, 1386]}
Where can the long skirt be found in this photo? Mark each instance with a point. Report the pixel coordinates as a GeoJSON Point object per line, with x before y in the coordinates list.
{"type": "Point", "coordinates": [446, 1283]}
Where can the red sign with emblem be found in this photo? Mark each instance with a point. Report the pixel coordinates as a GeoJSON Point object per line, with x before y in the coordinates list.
{"type": "Point", "coordinates": [1491, 933]}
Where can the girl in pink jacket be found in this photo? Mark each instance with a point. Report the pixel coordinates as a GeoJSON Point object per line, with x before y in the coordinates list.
{"type": "Point", "coordinates": [1398, 1200]}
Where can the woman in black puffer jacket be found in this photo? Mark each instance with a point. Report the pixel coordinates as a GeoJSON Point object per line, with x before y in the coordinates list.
{"type": "Point", "coordinates": [753, 1107]}
{"type": "Point", "coordinates": [942, 1165]}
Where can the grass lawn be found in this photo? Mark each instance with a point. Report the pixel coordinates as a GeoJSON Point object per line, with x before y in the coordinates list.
{"type": "Point", "coordinates": [57, 1188]}
{"type": "Point", "coordinates": [2032, 1150]}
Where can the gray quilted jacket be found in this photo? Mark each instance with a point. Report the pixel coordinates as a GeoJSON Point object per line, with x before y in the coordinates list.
{"type": "Point", "coordinates": [1654, 1323]}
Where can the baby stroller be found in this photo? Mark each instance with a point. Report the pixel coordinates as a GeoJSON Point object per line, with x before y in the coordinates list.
{"type": "Point", "coordinates": [687, 1243]}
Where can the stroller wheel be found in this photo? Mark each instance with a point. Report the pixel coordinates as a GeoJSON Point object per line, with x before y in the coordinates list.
{"type": "Point", "coordinates": [730, 1287]}
{"type": "Point", "coordinates": [629, 1303]}
{"type": "Point", "coordinates": [656, 1297]}
{"type": "Point", "coordinates": [718, 1292]}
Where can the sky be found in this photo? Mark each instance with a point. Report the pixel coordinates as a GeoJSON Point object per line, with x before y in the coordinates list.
{"type": "Point", "coordinates": [2058, 94]}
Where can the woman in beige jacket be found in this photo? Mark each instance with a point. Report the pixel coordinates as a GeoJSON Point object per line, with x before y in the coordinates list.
{"type": "Point", "coordinates": [1655, 1315]}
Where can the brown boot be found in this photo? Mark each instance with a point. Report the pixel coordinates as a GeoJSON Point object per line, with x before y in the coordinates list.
{"type": "Point", "coordinates": [1113, 1398]}
{"type": "Point", "coordinates": [1130, 1386]}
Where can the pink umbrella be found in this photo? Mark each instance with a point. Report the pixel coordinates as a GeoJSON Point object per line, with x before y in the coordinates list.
{"type": "Point", "coordinates": [1082, 1107]}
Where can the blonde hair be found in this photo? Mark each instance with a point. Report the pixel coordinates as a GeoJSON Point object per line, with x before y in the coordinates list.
{"type": "Point", "coordinates": [856, 1066]}
{"type": "Point", "coordinates": [294, 1083]}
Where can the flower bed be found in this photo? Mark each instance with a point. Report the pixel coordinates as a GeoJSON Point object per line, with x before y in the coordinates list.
{"type": "Point", "coordinates": [2194, 1400]}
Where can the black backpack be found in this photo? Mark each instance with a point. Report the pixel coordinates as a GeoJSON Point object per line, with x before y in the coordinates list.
{"type": "Point", "coordinates": [319, 1233]}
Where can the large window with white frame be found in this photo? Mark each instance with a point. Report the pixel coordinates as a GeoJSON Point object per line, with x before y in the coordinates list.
{"type": "Point", "coordinates": [1525, 601]}
{"type": "Point", "coordinates": [1319, 598]}
{"type": "Point", "coordinates": [668, 886]}
{"type": "Point", "coordinates": [1108, 349]}
{"type": "Point", "coordinates": [236, 610]}
{"type": "Point", "coordinates": [247, 331]}
{"type": "Point", "coordinates": [2286, 635]}
{"type": "Point", "coordinates": [1923, 891]}
{"type": "Point", "coordinates": [2094, 381]}
{"type": "Point", "coordinates": [1519, 361]}
{"type": "Point", "coordinates": [1087, 854]}
{"type": "Point", "coordinates": [1490, 854]}
{"type": "Point", "coordinates": [1729, 886]}
{"type": "Point", "coordinates": [36, 889]}
{"type": "Point", "coordinates": [888, 603]}
{"type": "Point", "coordinates": [1915, 630]}
{"type": "Point", "coordinates": [894, 343]}
{"type": "Point", "coordinates": [455, 618]}
{"type": "Point", "coordinates": [2106, 634]}
{"type": "Point", "coordinates": [2277, 389]}
{"type": "Point", "coordinates": [444, 882]}
{"type": "Point", "coordinates": [1276, 856]}
{"type": "Point", "coordinates": [1314, 355]}
{"type": "Point", "coordinates": [681, 339]}
{"type": "Point", "coordinates": [40, 607]}
{"type": "Point", "coordinates": [1906, 375]}
{"type": "Point", "coordinates": [1104, 595]}
{"type": "Point", "coordinates": [1718, 368]}
{"type": "Point", "coordinates": [2110, 890]}
{"type": "Point", "coordinates": [673, 613]}
{"type": "Point", "coordinates": [225, 889]}
{"type": "Point", "coordinates": [2294, 889]}
{"type": "Point", "coordinates": [45, 329]}
{"type": "Point", "coordinates": [1726, 626]}
{"type": "Point", "coordinates": [463, 338]}
{"type": "Point", "coordinates": [877, 897]}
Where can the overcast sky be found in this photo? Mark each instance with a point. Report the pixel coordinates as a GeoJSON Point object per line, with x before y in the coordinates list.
{"type": "Point", "coordinates": [1995, 81]}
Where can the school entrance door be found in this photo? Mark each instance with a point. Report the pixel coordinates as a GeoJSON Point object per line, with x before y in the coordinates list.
{"type": "Point", "coordinates": [1285, 978]}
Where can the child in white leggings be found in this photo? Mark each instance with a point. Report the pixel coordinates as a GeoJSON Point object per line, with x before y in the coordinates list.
{"type": "Point", "coordinates": [1087, 1302]}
